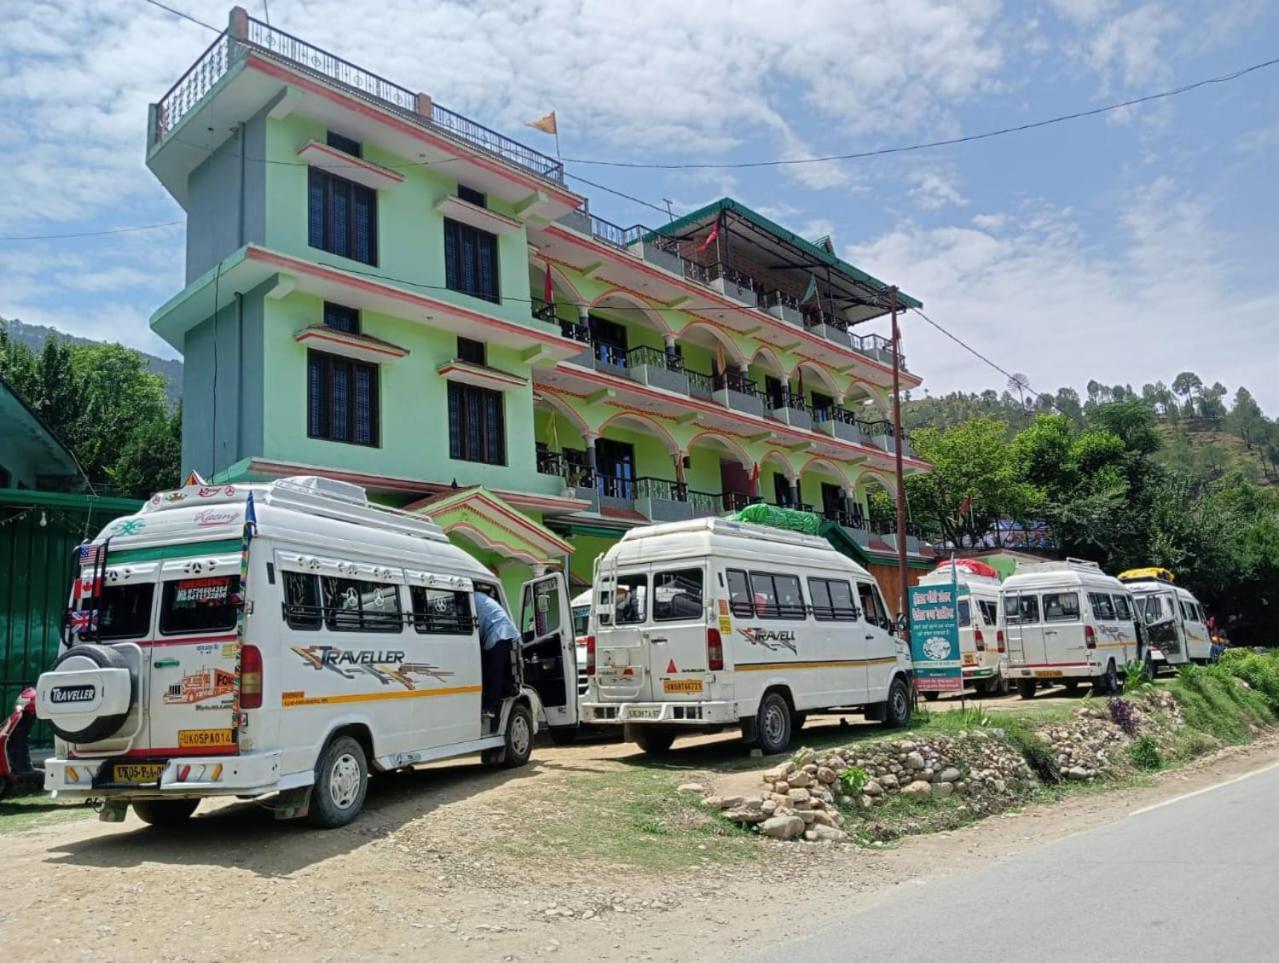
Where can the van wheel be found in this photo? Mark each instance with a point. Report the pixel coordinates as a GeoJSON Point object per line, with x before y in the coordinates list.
{"type": "Point", "coordinates": [165, 813]}
{"type": "Point", "coordinates": [654, 740]}
{"type": "Point", "coordinates": [519, 737]}
{"type": "Point", "coordinates": [341, 782]}
{"type": "Point", "coordinates": [773, 723]}
{"type": "Point", "coordinates": [897, 708]}
{"type": "Point", "coordinates": [1026, 688]}
{"type": "Point", "coordinates": [1108, 683]}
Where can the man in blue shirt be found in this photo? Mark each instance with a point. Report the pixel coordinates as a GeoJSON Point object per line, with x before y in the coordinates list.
{"type": "Point", "coordinates": [497, 634]}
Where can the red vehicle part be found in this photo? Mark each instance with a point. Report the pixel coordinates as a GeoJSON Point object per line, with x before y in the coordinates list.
{"type": "Point", "coordinates": [15, 753]}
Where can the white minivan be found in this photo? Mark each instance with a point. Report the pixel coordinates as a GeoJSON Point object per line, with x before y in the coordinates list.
{"type": "Point", "coordinates": [1068, 622]}
{"type": "Point", "coordinates": [340, 639]}
{"type": "Point", "coordinates": [981, 623]}
{"type": "Point", "coordinates": [709, 624]}
{"type": "Point", "coordinates": [1175, 621]}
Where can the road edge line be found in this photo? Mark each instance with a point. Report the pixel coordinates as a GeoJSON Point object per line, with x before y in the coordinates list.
{"type": "Point", "coordinates": [1199, 792]}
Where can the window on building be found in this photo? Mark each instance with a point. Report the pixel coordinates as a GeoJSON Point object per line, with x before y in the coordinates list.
{"type": "Point", "coordinates": [615, 468]}
{"type": "Point", "coordinates": [341, 318]}
{"type": "Point", "coordinates": [822, 405]}
{"type": "Point", "coordinates": [471, 351]}
{"type": "Point", "coordinates": [354, 605]}
{"type": "Point", "coordinates": [441, 611]}
{"type": "Point", "coordinates": [832, 500]}
{"type": "Point", "coordinates": [477, 429]}
{"type": "Point", "coordinates": [781, 490]}
{"type": "Point", "coordinates": [470, 260]}
{"type": "Point", "coordinates": [341, 399]}
{"type": "Point", "coordinates": [341, 216]}
{"type": "Point", "coordinates": [345, 144]}
{"type": "Point", "coordinates": [677, 595]}
{"type": "Point", "coordinates": [472, 196]}
{"type": "Point", "coordinates": [610, 341]}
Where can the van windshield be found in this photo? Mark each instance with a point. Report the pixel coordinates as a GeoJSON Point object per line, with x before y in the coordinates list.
{"type": "Point", "coordinates": [630, 600]}
{"type": "Point", "coordinates": [206, 604]}
{"type": "Point", "coordinates": [677, 595]}
{"type": "Point", "coordinates": [581, 620]}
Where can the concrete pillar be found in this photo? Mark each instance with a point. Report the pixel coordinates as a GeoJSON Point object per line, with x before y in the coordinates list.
{"type": "Point", "coordinates": [238, 24]}
{"type": "Point", "coordinates": [672, 353]}
{"type": "Point", "coordinates": [423, 106]}
{"type": "Point", "coordinates": [792, 486]}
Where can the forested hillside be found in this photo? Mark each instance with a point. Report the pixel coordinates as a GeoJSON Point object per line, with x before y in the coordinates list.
{"type": "Point", "coordinates": [1171, 477]}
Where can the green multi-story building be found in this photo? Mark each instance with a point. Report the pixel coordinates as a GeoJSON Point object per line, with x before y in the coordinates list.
{"type": "Point", "coordinates": [382, 290]}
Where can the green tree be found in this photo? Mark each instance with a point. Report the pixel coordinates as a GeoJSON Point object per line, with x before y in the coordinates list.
{"type": "Point", "coordinates": [151, 459]}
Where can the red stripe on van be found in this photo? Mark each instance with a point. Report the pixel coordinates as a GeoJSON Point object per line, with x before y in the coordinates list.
{"type": "Point", "coordinates": [161, 754]}
{"type": "Point", "coordinates": [1047, 665]}
{"type": "Point", "coordinates": [188, 640]}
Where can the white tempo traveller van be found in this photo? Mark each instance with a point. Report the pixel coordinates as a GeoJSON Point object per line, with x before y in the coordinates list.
{"type": "Point", "coordinates": [981, 624]}
{"type": "Point", "coordinates": [1175, 620]}
{"type": "Point", "coordinates": [342, 640]}
{"type": "Point", "coordinates": [709, 624]}
{"type": "Point", "coordinates": [1068, 622]}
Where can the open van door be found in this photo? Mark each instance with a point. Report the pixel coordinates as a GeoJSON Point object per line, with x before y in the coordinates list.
{"type": "Point", "coordinates": [548, 652]}
{"type": "Point", "coordinates": [1162, 628]}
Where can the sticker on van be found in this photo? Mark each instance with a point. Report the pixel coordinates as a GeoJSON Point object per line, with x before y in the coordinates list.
{"type": "Point", "coordinates": [772, 639]}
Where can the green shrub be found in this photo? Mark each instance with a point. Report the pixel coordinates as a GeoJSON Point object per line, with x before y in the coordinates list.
{"type": "Point", "coordinates": [1135, 675]}
{"type": "Point", "coordinates": [1261, 672]}
{"type": "Point", "coordinates": [853, 780]}
{"type": "Point", "coordinates": [1144, 754]}
{"type": "Point", "coordinates": [1212, 701]}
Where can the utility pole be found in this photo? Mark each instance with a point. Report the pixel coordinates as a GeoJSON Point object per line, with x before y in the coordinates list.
{"type": "Point", "coordinates": [904, 599]}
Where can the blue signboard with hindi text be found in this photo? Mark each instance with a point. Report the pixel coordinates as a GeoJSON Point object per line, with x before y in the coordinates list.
{"type": "Point", "coordinates": [934, 637]}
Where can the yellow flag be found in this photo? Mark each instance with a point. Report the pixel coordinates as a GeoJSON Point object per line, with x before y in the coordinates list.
{"type": "Point", "coordinates": [545, 124]}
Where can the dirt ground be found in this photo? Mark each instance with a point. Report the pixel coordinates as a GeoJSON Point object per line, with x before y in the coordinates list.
{"type": "Point", "coordinates": [441, 863]}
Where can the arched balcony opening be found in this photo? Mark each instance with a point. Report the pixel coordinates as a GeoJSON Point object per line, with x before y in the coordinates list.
{"type": "Point", "coordinates": [561, 439]}
{"type": "Point", "coordinates": [720, 475]}
{"type": "Point", "coordinates": [824, 488]}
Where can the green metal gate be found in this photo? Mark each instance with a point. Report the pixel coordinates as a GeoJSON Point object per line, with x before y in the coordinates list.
{"type": "Point", "coordinates": [39, 532]}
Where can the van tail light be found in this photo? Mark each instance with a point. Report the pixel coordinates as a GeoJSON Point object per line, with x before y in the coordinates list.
{"type": "Point", "coordinates": [1090, 637]}
{"type": "Point", "coordinates": [590, 655]}
{"type": "Point", "coordinates": [979, 640]}
{"type": "Point", "coordinates": [714, 651]}
{"type": "Point", "coordinates": [999, 640]}
{"type": "Point", "coordinates": [251, 677]}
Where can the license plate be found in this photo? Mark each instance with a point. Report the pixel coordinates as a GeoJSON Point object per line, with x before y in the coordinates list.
{"type": "Point", "coordinates": [644, 713]}
{"type": "Point", "coordinates": [1049, 674]}
{"type": "Point", "coordinates": [137, 772]}
{"type": "Point", "coordinates": [682, 686]}
{"type": "Point", "coordinates": [205, 739]}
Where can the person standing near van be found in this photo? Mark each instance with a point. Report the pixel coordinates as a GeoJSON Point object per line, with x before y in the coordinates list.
{"type": "Point", "coordinates": [497, 634]}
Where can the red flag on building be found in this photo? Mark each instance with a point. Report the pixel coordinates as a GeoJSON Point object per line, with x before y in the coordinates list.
{"type": "Point", "coordinates": [711, 238]}
{"type": "Point", "coordinates": [548, 287]}
{"type": "Point", "coordinates": [755, 476]}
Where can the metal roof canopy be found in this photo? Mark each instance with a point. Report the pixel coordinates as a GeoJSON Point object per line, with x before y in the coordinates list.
{"type": "Point", "coordinates": [863, 296]}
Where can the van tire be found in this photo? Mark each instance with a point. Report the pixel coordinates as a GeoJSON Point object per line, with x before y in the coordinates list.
{"type": "Point", "coordinates": [897, 706]}
{"type": "Point", "coordinates": [341, 783]}
{"type": "Point", "coordinates": [654, 740]}
{"type": "Point", "coordinates": [773, 723]}
{"type": "Point", "coordinates": [165, 813]}
{"type": "Point", "coordinates": [1026, 688]}
{"type": "Point", "coordinates": [519, 737]}
{"type": "Point", "coordinates": [1107, 683]}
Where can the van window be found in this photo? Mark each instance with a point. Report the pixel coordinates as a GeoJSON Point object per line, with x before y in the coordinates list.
{"type": "Point", "coordinates": [965, 613]}
{"type": "Point", "coordinates": [441, 611]}
{"type": "Point", "coordinates": [989, 611]}
{"type": "Point", "coordinates": [1101, 606]}
{"type": "Point", "coordinates": [208, 604]}
{"type": "Point", "coordinates": [1021, 609]}
{"type": "Point", "coordinates": [630, 603]}
{"type": "Point", "coordinates": [581, 620]}
{"type": "Point", "coordinates": [1123, 611]}
{"type": "Point", "coordinates": [1154, 608]}
{"type": "Point", "coordinates": [764, 595]}
{"type": "Point", "coordinates": [302, 609]}
{"type": "Point", "coordinates": [1199, 613]}
{"type": "Point", "coordinates": [677, 595]}
{"type": "Point", "coordinates": [739, 593]}
{"type": "Point", "coordinates": [125, 611]}
{"type": "Point", "coordinates": [1062, 606]}
{"type": "Point", "coordinates": [1185, 611]}
{"type": "Point", "coordinates": [872, 607]}
{"type": "Point", "coordinates": [832, 600]}
{"type": "Point", "coordinates": [354, 605]}
{"type": "Point", "coordinates": [790, 597]}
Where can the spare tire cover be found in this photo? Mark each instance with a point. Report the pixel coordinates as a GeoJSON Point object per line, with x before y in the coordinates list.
{"type": "Point", "coordinates": [88, 693]}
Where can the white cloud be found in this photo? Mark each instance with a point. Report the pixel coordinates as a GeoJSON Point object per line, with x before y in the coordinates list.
{"type": "Point", "coordinates": [1130, 47]}
{"type": "Point", "coordinates": [933, 190]}
{"type": "Point", "coordinates": [1035, 295]}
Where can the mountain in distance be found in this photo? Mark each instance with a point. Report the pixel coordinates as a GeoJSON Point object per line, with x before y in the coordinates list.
{"type": "Point", "coordinates": [35, 335]}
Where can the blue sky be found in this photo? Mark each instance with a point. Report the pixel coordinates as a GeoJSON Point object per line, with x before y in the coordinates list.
{"type": "Point", "coordinates": [1124, 248]}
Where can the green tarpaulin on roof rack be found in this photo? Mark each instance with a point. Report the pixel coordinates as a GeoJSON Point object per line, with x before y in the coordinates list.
{"type": "Point", "coordinates": [774, 517]}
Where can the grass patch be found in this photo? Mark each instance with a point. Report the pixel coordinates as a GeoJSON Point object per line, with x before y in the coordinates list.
{"type": "Point", "coordinates": [1212, 702]}
{"type": "Point", "coordinates": [36, 811]}
{"type": "Point", "coordinates": [631, 819]}
{"type": "Point", "coordinates": [901, 816]}
{"type": "Point", "coordinates": [1144, 754]}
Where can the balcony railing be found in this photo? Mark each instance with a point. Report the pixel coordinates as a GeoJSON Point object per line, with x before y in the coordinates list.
{"type": "Point", "coordinates": [735, 381]}
{"type": "Point", "coordinates": [785, 399]}
{"type": "Point", "coordinates": [575, 331]}
{"type": "Point", "coordinates": [213, 65]}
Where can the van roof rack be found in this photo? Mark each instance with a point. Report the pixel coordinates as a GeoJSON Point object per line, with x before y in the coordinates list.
{"type": "Point", "coordinates": [1068, 564]}
{"type": "Point", "coordinates": [345, 502]}
{"type": "Point", "coordinates": [727, 526]}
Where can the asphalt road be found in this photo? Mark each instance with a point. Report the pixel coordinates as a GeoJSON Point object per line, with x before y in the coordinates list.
{"type": "Point", "coordinates": [1191, 879]}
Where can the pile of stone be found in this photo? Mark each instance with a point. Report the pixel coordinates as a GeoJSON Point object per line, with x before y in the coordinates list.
{"type": "Point", "coordinates": [803, 798]}
{"type": "Point", "coordinates": [1088, 747]}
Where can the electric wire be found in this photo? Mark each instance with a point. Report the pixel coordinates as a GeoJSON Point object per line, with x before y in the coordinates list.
{"type": "Point", "coordinates": [113, 230]}
{"type": "Point", "coordinates": [184, 16]}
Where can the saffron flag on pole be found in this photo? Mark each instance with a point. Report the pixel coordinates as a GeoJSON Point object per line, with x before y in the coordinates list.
{"type": "Point", "coordinates": [548, 287]}
{"type": "Point", "coordinates": [755, 476]}
{"type": "Point", "coordinates": [546, 125]}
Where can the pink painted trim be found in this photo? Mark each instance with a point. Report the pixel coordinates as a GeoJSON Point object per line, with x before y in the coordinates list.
{"type": "Point", "coordinates": [490, 374]}
{"type": "Point", "coordinates": [348, 160]}
{"type": "Point", "coordinates": [307, 334]}
{"type": "Point", "coordinates": [811, 339]}
{"type": "Point", "coordinates": [297, 266]}
{"type": "Point", "coordinates": [299, 80]}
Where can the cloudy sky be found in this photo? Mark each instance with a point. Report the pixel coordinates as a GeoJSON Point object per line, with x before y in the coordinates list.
{"type": "Point", "coordinates": [1124, 248]}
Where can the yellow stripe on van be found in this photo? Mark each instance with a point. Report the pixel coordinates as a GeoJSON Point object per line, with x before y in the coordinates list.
{"type": "Point", "coordinates": [833, 664]}
{"type": "Point", "coordinates": [291, 700]}
{"type": "Point", "coordinates": [1115, 645]}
